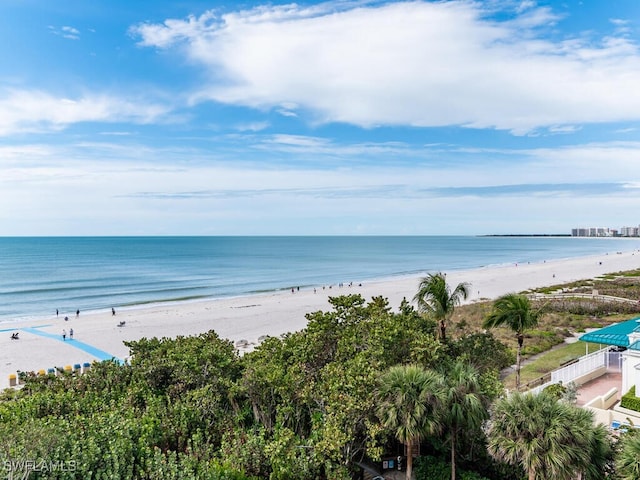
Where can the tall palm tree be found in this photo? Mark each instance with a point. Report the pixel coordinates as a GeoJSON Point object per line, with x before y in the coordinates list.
{"type": "Point", "coordinates": [437, 299]}
{"type": "Point", "coordinates": [515, 312]}
{"type": "Point", "coordinates": [628, 460]}
{"type": "Point", "coordinates": [409, 397]}
{"type": "Point", "coordinates": [464, 407]}
{"type": "Point", "coordinates": [550, 439]}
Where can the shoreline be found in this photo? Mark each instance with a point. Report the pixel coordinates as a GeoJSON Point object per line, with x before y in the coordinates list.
{"type": "Point", "coordinates": [247, 318]}
{"type": "Point", "coordinates": [96, 279]}
{"type": "Point", "coordinates": [169, 303]}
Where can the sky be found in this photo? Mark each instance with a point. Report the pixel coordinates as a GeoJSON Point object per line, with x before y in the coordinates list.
{"type": "Point", "coordinates": [197, 117]}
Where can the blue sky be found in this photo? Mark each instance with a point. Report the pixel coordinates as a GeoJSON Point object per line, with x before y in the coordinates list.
{"type": "Point", "coordinates": [318, 118]}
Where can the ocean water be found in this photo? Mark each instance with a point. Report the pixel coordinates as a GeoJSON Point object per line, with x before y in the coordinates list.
{"type": "Point", "coordinates": [41, 274]}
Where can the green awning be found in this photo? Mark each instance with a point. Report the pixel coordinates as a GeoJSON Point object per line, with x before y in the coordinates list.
{"type": "Point", "coordinates": [616, 334]}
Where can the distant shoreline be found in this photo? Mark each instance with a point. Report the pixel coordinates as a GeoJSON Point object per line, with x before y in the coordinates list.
{"type": "Point", "coordinates": [554, 235]}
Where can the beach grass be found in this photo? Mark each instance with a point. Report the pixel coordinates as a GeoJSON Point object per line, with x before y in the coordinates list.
{"type": "Point", "coordinates": [564, 319]}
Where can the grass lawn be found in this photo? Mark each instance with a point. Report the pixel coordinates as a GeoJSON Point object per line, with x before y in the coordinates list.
{"type": "Point", "coordinates": [547, 362]}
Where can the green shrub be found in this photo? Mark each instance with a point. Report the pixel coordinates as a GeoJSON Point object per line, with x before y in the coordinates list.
{"type": "Point", "coordinates": [556, 390]}
{"type": "Point", "coordinates": [432, 468]}
{"type": "Point", "coordinates": [630, 401]}
{"type": "Point", "coordinates": [471, 476]}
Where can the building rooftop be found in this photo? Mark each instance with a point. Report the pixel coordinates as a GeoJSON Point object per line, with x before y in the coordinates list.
{"type": "Point", "coordinates": [616, 334]}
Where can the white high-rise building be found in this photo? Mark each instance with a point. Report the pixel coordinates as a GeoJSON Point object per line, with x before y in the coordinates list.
{"type": "Point", "coordinates": [630, 232]}
{"type": "Point", "coordinates": [593, 232]}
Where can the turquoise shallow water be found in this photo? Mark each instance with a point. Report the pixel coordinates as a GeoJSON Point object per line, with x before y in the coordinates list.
{"type": "Point", "coordinates": [39, 275]}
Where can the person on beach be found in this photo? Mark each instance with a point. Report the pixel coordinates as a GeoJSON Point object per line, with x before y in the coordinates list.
{"type": "Point", "coordinates": [71, 334]}
{"type": "Point", "coordinates": [64, 335]}
{"type": "Point", "coordinates": [113, 311]}
{"type": "Point", "coordinates": [77, 313]}
{"type": "Point", "coordinates": [56, 312]}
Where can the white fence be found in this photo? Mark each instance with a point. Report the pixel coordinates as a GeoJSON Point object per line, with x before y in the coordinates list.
{"type": "Point", "coordinates": [590, 296]}
{"type": "Point", "coordinates": [584, 366]}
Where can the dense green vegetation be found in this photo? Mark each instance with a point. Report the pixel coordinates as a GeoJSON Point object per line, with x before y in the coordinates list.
{"type": "Point", "coordinates": [630, 401]}
{"type": "Point", "coordinates": [550, 439]}
{"type": "Point", "coordinates": [302, 406]}
{"type": "Point", "coordinates": [349, 389]}
{"type": "Point", "coordinates": [628, 457]}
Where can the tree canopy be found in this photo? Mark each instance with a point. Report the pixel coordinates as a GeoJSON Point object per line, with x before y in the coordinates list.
{"type": "Point", "coordinates": [436, 298]}
{"type": "Point", "coordinates": [351, 388]}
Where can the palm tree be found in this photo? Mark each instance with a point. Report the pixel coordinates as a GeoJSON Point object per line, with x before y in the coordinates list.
{"type": "Point", "coordinates": [436, 298]}
{"type": "Point", "coordinates": [550, 439]}
{"type": "Point", "coordinates": [409, 396]}
{"type": "Point", "coordinates": [596, 443]}
{"type": "Point", "coordinates": [515, 312]}
{"type": "Point", "coordinates": [628, 460]}
{"type": "Point", "coordinates": [464, 407]}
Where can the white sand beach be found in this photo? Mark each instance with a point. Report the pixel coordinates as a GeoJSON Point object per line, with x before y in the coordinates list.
{"type": "Point", "coordinates": [41, 346]}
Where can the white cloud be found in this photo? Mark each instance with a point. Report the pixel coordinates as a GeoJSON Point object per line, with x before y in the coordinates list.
{"type": "Point", "coordinates": [554, 129]}
{"type": "Point", "coordinates": [252, 126]}
{"type": "Point", "coordinates": [298, 140]}
{"type": "Point", "coordinates": [68, 32]}
{"type": "Point", "coordinates": [117, 188]}
{"type": "Point", "coordinates": [408, 63]}
{"type": "Point", "coordinates": [525, 5]}
{"type": "Point", "coordinates": [71, 33]}
{"type": "Point", "coordinates": [623, 27]}
{"type": "Point", "coordinates": [23, 111]}
{"type": "Point", "coordinates": [116, 134]}
{"type": "Point", "coordinates": [166, 34]}
{"type": "Point", "coordinates": [611, 162]}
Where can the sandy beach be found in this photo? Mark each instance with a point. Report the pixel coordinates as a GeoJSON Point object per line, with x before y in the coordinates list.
{"type": "Point", "coordinates": [99, 335]}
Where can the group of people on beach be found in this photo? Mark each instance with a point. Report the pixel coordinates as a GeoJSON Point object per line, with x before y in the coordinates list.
{"type": "Point", "coordinates": [113, 312]}
{"type": "Point", "coordinates": [64, 334]}
{"type": "Point", "coordinates": [341, 284]}
{"type": "Point", "coordinates": [66, 318]}
{"type": "Point", "coordinates": [15, 336]}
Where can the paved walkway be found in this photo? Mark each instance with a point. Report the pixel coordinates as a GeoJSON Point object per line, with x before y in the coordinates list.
{"type": "Point", "coordinates": [85, 347]}
{"type": "Point", "coordinates": [599, 386]}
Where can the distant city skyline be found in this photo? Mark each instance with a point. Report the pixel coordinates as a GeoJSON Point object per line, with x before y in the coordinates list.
{"type": "Point", "coordinates": [606, 231]}
{"type": "Point", "coordinates": [318, 118]}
